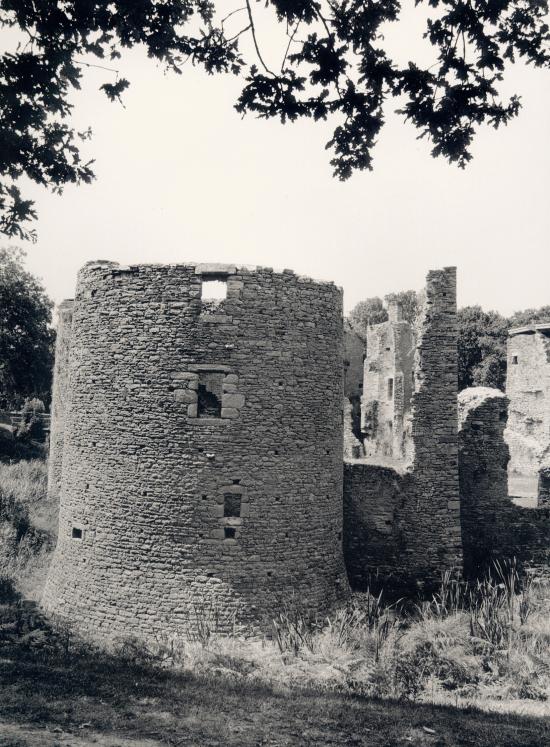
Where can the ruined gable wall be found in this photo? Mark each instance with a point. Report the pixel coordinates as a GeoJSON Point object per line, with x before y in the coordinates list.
{"type": "Point", "coordinates": [377, 409]}
{"type": "Point", "coordinates": [151, 534]}
{"type": "Point", "coordinates": [423, 536]}
{"type": "Point", "coordinates": [60, 394]}
{"type": "Point", "coordinates": [387, 388]}
{"type": "Point", "coordinates": [433, 517]}
{"type": "Point", "coordinates": [528, 389]}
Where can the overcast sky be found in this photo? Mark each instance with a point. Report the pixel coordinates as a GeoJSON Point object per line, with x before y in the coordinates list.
{"type": "Point", "coordinates": [180, 176]}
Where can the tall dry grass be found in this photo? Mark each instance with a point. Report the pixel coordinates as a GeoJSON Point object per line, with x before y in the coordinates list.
{"type": "Point", "coordinates": [28, 525]}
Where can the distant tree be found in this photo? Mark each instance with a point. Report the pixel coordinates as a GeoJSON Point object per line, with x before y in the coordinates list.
{"type": "Point", "coordinates": [369, 311]}
{"type": "Point", "coordinates": [333, 64]}
{"type": "Point", "coordinates": [530, 316]}
{"type": "Point", "coordinates": [409, 304]}
{"type": "Point", "coordinates": [373, 311]}
{"type": "Point", "coordinates": [26, 338]}
{"type": "Point", "coordinates": [482, 339]}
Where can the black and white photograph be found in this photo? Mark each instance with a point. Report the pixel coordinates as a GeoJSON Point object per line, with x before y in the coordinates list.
{"type": "Point", "coordinates": [274, 373]}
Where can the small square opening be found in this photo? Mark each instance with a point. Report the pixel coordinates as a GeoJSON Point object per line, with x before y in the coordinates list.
{"type": "Point", "coordinates": [76, 533]}
{"type": "Point", "coordinates": [515, 359]}
{"type": "Point", "coordinates": [232, 505]}
{"type": "Point", "coordinates": [229, 532]}
{"type": "Point", "coordinates": [213, 291]}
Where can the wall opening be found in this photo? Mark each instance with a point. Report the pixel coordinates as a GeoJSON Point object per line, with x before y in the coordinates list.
{"type": "Point", "coordinates": [213, 291]}
{"type": "Point", "coordinates": [232, 505]}
{"type": "Point", "coordinates": [390, 388]}
{"type": "Point", "coordinates": [76, 533]}
{"type": "Point", "coordinates": [209, 402]}
{"type": "Point", "coordinates": [229, 532]}
{"type": "Point", "coordinates": [514, 359]}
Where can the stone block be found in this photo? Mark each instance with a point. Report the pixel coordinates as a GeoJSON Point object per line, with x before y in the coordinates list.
{"type": "Point", "coordinates": [231, 379]}
{"type": "Point", "coordinates": [185, 396]}
{"type": "Point", "coordinates": [215, 268]}
{"type": "Point", "coordinates": [192, 411]}
{"type": "Point", "coordinates": [184, 376]}
{"type": "Point", "coordinates": [229, 413]}
{"type": "Point", "coordinates": [235, 401]}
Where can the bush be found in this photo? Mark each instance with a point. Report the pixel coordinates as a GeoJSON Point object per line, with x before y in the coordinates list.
{"type": "Point", "coordinates": [31, 427]}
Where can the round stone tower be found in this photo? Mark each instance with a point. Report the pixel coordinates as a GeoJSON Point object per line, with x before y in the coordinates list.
{"type": "Point", "coordinates": [202, 453]}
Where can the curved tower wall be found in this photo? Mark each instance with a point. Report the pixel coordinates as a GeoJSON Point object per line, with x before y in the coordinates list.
{"type": "Point", "coordinates": [168, 515]}
{"type": "Point", "coordinates": [59, 396]}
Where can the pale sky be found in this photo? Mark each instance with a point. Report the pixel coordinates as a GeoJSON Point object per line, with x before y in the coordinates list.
{"type": "Point", "coordinates": [180, 176]}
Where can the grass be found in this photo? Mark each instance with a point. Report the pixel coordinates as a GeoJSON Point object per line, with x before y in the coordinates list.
{"type": "Point", "coordinates": [469, 666]}
{"type": "Point", "coordinates": [53, 682]}
{"type": "Point", "coordinates": [28, 525]}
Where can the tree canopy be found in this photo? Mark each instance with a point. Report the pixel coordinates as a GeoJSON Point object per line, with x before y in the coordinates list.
{"type": "Point", "coordinates": [482, 340]}
{"type": "Point", "coordinates": [333, 65]}
{"type": "Point", "coordinates": [373, 311]}
{"type": "Point", "coordinates": [26, 338]}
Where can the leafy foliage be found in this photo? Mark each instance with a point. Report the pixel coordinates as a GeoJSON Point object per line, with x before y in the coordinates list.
{"type": "Point", "coordinates": [373, 311]}
{"type": "Point", "coordinates": [482, 339]}
{"type": "Point", "coordinates": [334, 66]}
{"type": "Point", "coordinates": [26, 339]}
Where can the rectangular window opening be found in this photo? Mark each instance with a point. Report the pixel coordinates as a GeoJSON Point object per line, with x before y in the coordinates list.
{"type": "Point", "coordinates": [213, 292]}
{"type": "Point", "coordinates": [229, 532]}
{"type": "Point", "coordinates": [232, 505]}
{"type": "Point", "coordinates": [76, 533]}
{"type": "Point", "coordinates": [390, 388]}
{"type": "Point", "coordinates": [209, 403]}
{"type": "Point", "coordinates": [514, 359]}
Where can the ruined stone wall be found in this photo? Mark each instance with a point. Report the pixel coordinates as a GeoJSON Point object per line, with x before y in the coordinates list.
{"type": "Point", "coordinates": [353, 448]}
{"type": "Point", "coordinates": [354, 355]}
{"type": "Point", "coordinates": [375, 540]}
{"type": "Point", "coordinates": [543, 487]}
{"type": "Point", "coordinates": [528, 389]}
{"type": "Point", "coordinates": [387, 387]}
{"type": "Point", "coordinates": [426, 519]}
{"type": "Point", "coordinates": [483, 462]}
{"type": "Point", "coordinates": [59, 396]}
{"type": "Point", "coordinates": [492, 526]}
{"type": "Point", "coordinates": [202, 465]}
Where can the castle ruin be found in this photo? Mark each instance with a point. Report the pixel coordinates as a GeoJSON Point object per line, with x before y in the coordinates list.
{"type": "Point", "coordinates": [528, 391]}
{"type": "Point", "coordinates": [197, 448]}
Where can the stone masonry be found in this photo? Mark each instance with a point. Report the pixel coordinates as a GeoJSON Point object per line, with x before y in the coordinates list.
{"type": "Point", "coordinates": [201, 450]}
{"type": "Point", "coordinates": [528, 390]}
{"type": "Point", "coordinates": [493, 527]}
{"type": "Point", "coordinates": [403, 515]}
{"type": "Point", "coordinates": [388, 385]}
{"type": "Point", "coordinates": [59, 397]}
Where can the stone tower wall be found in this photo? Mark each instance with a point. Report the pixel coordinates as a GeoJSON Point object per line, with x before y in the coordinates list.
{"type": "Point", "coordinates": [167, 515]}
{"type": "Point", "coordinates": [60, 393]}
